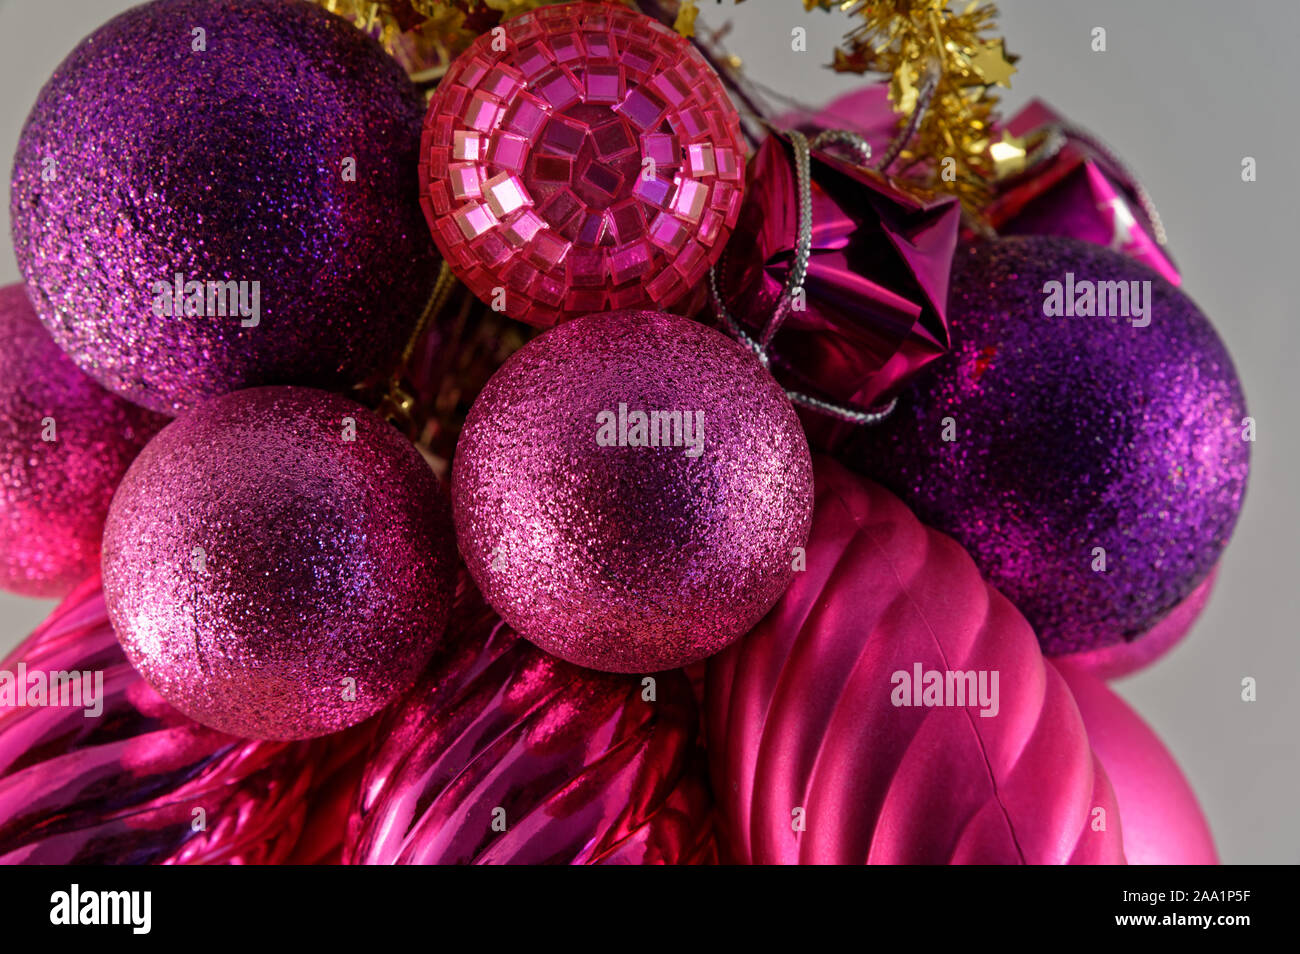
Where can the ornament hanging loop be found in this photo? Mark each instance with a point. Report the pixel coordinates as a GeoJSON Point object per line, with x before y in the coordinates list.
{"type": "Point", "coordinates": [794, 282]}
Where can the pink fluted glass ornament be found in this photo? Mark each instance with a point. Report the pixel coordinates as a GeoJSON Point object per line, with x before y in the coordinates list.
{"type": "Point", "coordinates": [827, 739]}
{"type": "Point", "coordinates": [504, 755]}
{"type": "Point", "coordinates": [135, 782]}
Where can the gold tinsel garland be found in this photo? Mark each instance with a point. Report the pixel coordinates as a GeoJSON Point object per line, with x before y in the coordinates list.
{"type": "Point", "coordinates": [945, 61]}
{"type": "Point", "coordinates": [426, 35]}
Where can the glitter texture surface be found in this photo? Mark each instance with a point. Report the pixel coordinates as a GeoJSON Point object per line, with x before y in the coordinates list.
{"type": "Point", "coordinates": [1071, 434]}
{"type": "Point", "coordinates": [594, 163]}
{"type": "Point", "coordinates": [145, 158]}
{"type": "Point", "coordinates": [631, 558]}
{"type": "Point", "coordinates": [255, 559]}
{"type": "Point", "coordinates": [54, 494]}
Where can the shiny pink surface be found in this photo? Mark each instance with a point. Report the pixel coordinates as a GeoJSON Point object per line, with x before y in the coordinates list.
{"type": "Point", "coordinates": [256, 558]}
{"type": "Point", "coordinates": [54, 494]}
{"type": "Point", "coordinates": [799, 712]}
{"type": "Point", "coordinates": [594, 163]}
{"type": "Point", "coordinates": [1123, 659]}
{"type": "Point", "coordinates": [1080, 192]}
{"type": "Point", "coordinates": [584, 769]}
{"type": "Point", "coordinates": [1163, 822]}
{"type": "Point", "coordinates": [631, 558]}
{"type": "Point", "coordinates": [877, 282]}
{"type": "Point", "coordinates": [122, 788]}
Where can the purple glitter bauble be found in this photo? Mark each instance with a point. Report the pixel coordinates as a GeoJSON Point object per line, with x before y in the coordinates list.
{"type": "Point", "coordinates": [279, 563]}
{"type": "Point", "coordinates": [270, 160]}
{"type": "Point", "coordinates": [65, 443]}
{"type": "Point", "coordinates": [1094, 467]}
{"type": "Point", "coordinates": [616, 539]}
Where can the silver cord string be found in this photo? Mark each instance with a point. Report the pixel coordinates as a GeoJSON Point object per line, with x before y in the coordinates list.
{"type": "Point", "coordinates": [794, 282]}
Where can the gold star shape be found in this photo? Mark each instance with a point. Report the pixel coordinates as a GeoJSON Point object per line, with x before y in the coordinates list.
{"type": "Point", "coordinates": [1009, 155]}
{"type": "Point", "coordinates": [992, 64]}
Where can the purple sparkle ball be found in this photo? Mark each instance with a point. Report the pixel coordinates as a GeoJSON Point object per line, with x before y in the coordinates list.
{"type": "Point", "coordinates": [1093, 466]}
{"type": "Point", "coordinates": [265, 152]}
{"type": "Point", "coordinates": [626, 543]}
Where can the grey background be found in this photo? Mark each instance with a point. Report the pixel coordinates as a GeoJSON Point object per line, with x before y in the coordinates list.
{"type": "Point", "coordinates": [1185, 90]}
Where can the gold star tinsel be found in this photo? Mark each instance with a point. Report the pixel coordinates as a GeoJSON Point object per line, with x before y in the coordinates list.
{"type": "Point", "coordinates": [920, 43]}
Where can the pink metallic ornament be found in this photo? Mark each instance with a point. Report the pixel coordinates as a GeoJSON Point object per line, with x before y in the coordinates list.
{"type": "Point", "coordinates": [1163, 823]}
{"type": "Point", "coordinates": [504, 755]}
{"type": "Point", "coordinates": [1076, 188]}
{"type": "Point", "coordinates": [279, 563]}
{"type": "Point", "coordinates": [611, 533]}
{"type": "Point", "coordinates": [65, 443]}
{"type": "Point", "coordinates": [1123, 659]}
{"type": "Point", "coordinates": [593, 163]}
{"type": "Point", "coordinates": [121, 778]}
{"type": "Point", "coordinates": [876, 286]}
{"type": "Point", "coordinates": [335, 785]}
{"type": "Point", "coordinates": [828, 743]}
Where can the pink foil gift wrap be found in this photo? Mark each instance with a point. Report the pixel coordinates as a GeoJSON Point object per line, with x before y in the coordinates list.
{"type": "Point", "coordinates": [819, 750]}
{"type": "Point", "coordinates": [866, 112]}
{"type": "Point", "coordinates": [1163, 822]}
{"type": "Point", "coordinates": [1079, 190]}
{"type": "Point", "coordinates": [505, 755]}
{"type": "Point", "coordinates": [876, 286]}
{"type": "Point", "coordinates": [124, 786]}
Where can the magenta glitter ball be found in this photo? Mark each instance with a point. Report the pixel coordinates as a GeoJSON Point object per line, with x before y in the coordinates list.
{"type": "Point", "coordinates": [256, 559]}
{"type": "Point", "coordinates": [1047, 445]}
{"type": "Point", "coordinates": [593, 163]}
{"type": "Point", "coordinates": [65, 443]}
{"type": "Point", "coordinates": [146, 158]}
{"type": "Point", "coordinates": [612, 554]}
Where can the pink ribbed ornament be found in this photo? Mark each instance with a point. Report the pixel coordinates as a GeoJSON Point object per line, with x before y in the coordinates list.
{"type": "Point", "coordinates": [576, 765]}
{"type": "Point", "coordinates": [585, 158]}
{"type": "Point", "coordinates": [1163, 822]}
{"type": "Point", "coordinates": [803, 729]}
{"type": "Point", "coordinates": [124, 787]}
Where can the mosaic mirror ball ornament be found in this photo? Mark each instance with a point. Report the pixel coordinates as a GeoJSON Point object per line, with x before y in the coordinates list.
{"type": "Point", "coordinates": [217, 194]}
{"type": "Point", "coordinates": [588, 160]}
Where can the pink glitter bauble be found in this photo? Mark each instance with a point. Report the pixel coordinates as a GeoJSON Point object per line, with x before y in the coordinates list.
{"type": "Point", "coordinates": [279, 563]}
{"type": "Point", "coordinates": [581, 767]}
{"type": "Point", "coordinates": [65, 443]}
{"type": "Point", "coordinates": [593, 163]}
{"type": "Point", "coordinates": [626, 543]}
{"type": "Point", "coordinates": [827, 713]}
